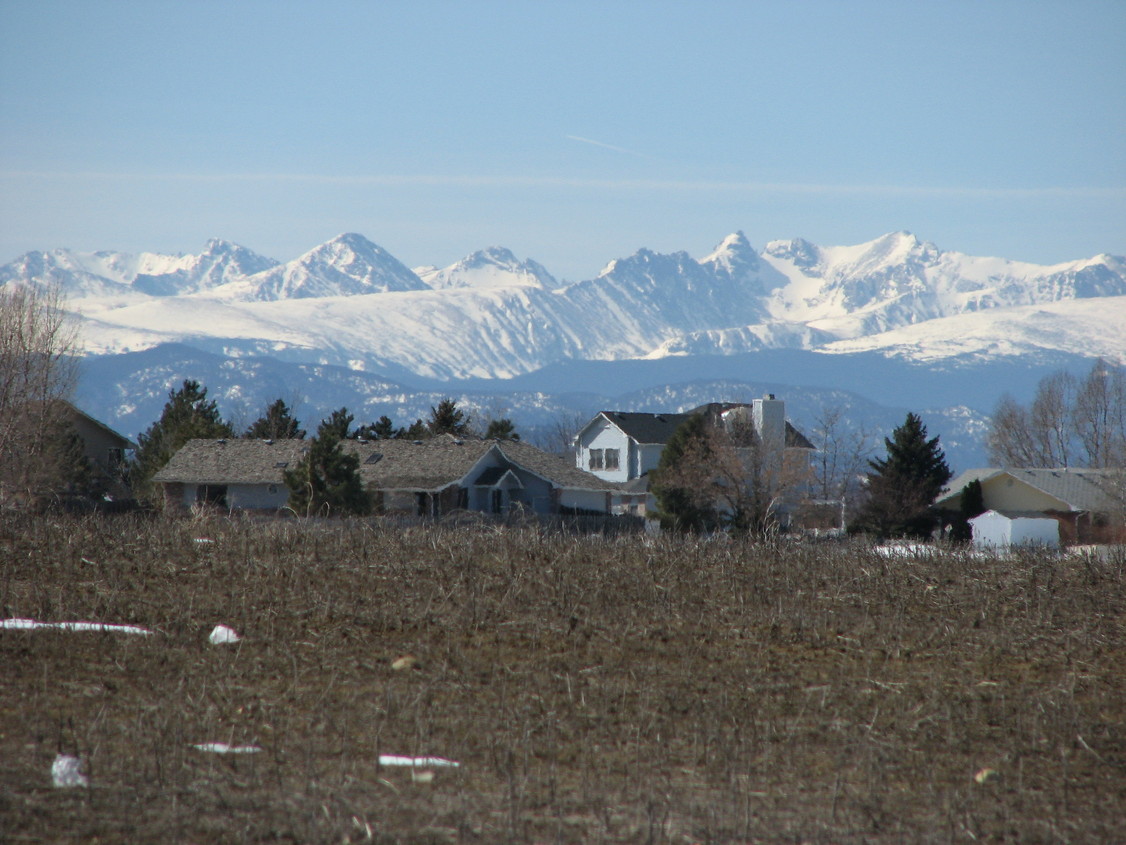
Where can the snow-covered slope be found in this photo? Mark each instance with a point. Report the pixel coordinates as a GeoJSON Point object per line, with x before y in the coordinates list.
{"type": "Point", "coordinates": [348, 265]}
{"type": "Point", "coordinates": [488, 268]}
{"type": "Point", "coordinates": [1093, 327]}
{"type": "Point", "coordinates": [349, 302]}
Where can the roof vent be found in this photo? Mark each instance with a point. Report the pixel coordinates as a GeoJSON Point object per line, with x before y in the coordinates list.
{"type": "Point", "coordinates": [281, 464]}
{"type": "Point", "coordinates": [268, 441]}
{"type": "Point", "coordinates": [374, 458]}
{"type": "Point", "coordinates": [417, 442]}
{"type": "Point", "coordinates": [222, 441]}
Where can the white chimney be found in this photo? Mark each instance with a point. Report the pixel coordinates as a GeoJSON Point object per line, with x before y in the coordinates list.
{"type": "Point", "coordinates": [769, 417]}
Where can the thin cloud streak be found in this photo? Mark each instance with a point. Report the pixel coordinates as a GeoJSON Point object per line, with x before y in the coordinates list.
{"type": "Point", "coordinates": [670, 185]}
{"type": "Point", "coordinates": [582, 140]}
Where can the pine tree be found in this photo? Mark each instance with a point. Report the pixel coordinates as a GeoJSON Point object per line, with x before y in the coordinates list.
{"type": "Point", "coordinates": [501, 429]}
{"type": "Point", "coordinates": [187, 415]}
{"type": "Point", "coordinates": [447, 418]}
{"type": "Point", "coordinates": [903, 484]}
{"type": "Point", "coordinates": [381, 429]}
{"type": "Point", "coordinates": [683, 503]}
{"type": "Point", "coordinates": [278, 423]}
{"type": "Point", "coordinates": [327, 481]}
{"type": "Point", "coordinates": [971, 504]}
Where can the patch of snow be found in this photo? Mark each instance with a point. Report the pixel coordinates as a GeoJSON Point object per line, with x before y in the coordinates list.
{"type": "Point", "coordinates": [221, 634]}
{"type": "Point", "coordinates": [32, 624]}
{"type": "Point", "coordinates": [66, 772]}
{"type": "Point", "coordinates": [395, 760]}
{"type": "Point", "coordinates": [224, 748]}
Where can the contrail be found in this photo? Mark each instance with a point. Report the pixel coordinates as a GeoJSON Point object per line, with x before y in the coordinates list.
{"type": "Point", "coordinates": [606, 146]}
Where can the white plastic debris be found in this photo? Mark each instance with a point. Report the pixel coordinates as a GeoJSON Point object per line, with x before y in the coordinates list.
{"type": "Point", "coordinates": [224, 748]}
{"type": "Point", "coordinates": [986, 775]}
{"type": "Point", "coordinates": [32, 624]}
{"type": "Point", "coordinates": [65, 772]}
{"type": "Point", "coordinates": [222, 634]}
{"type": "Point", "coordinates": [395, 760]}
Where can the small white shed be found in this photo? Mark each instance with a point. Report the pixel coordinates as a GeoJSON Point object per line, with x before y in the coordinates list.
{"type": "Point", "coordinates": [997, 529]}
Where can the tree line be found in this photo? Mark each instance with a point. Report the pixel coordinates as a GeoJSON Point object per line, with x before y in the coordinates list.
{"type": "Point", "coordinates": [327, 478]}
{"type": "Point", "coordinates": [1071, 422]}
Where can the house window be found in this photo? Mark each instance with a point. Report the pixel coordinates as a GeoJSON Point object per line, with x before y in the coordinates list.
{"type": "Point", "coordinates": [596, 459]}
{"type": "Point", "coordinates": [212, 494]}
{"type": "Point", "coordinates": [611, 458]}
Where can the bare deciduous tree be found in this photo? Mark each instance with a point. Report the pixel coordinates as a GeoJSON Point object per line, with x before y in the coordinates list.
{"type": "Point", "coordinates": [1070, 422]}
{"type": "Point", "coordinates": [1099, 416]}
{"type": "Point", "coordinates": [720, 476]}
{"type": "Point", "coordinates": [841, 458]}
{"type": "Point", "coordinates": [38, 342]}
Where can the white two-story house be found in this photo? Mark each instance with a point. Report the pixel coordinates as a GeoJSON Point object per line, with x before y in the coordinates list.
{"type": "Point", "coordinates": [624, 446]}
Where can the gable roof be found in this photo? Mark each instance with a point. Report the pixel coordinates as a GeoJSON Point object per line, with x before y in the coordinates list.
{"type": "Point", "coordinates": [403, 464]}
{"type": "Point", "coordinates": [644, 427]}
{"type": "Point", "coordinates": [1082, 490]}
{"type": "Point", "coordinates": [125, 442]}
{"type": "Point", "coordinates": [423, 465]}
{"type": "Point", "coordinates": [656, 429]}
{"type": "Point", "coordinates": [555, 469]}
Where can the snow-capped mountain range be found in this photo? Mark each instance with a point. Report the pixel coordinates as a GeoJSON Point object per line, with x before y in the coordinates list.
{"type": "Point", "coordinates": [491, 315]}
{"type": "Point", "coordinates": [497, 319]}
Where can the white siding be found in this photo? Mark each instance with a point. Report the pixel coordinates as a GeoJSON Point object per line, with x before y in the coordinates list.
{"type": "Point", "coordinates": [589, 500]}
{"type": "Point", "coordinates": [995, 530]}
{"type": "Point", "coordinates": [648, 456]}
{"type": "Point", "coordinates": [257, 496]}
{"type": "Point", "coordinates": [602, 435]}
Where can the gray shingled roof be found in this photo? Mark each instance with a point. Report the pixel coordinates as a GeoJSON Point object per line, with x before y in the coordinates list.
{"type": "Point", "coordinates": [560, 471]}
{"type": "Point", "coordinates": [401, 464]}
{"type": "Point", "coordinates": [1081, 489]}
{"type": "Point", "coordinates": [658, 428]}
{"type": "Point", "coordinates": [644, 427]}
{"type": "Point", "coordinates": [425, 465]}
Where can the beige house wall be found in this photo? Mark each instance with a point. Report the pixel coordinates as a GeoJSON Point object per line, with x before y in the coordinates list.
{"type": "Point", "coordinates": [1008, 494]}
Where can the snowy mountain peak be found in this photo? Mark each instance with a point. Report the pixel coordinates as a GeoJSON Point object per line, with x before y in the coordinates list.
{"type": "Point", "coordinates": [221, 263]}
{"type": "Point", "coordinates": [733, 256]}
{"type": "Point", "coordinates": [797, 251]}
{"type": "Point", "coordinates": [493, 267]}
{"type": "Point", "coordinates": [347, 265]}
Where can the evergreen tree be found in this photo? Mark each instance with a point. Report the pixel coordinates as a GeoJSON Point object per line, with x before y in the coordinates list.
{"type": "Point", "coordinates": [971, 504]}
{"type": "Point", "coordinates": [381, 429]}
{"type": "Point", "coordinates": [187, 415]}
{"type": "Point", "coordinates": [501, 429]}
{"type": "Point", "coordinates": [683, 504]}
{"type": "Point", "coordinates": [327, 481]}
{"type": "Point", "coordinates": [903, 484]}
{"type": "Point", "coordinates": [339, 424]}
{"type": "Point", "coordinates": [418, 431]}
{"type": "Point", "coordinates": [447, 418]}
{"type": "Point", "coordinates": [277, 423]}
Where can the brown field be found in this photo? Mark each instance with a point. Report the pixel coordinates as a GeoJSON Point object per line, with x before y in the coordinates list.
{"type": "Point", "coordinates": [593, 689]}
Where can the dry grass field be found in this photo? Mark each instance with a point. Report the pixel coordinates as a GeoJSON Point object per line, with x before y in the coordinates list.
{"type": "Point", "coordinates": [593, 689]}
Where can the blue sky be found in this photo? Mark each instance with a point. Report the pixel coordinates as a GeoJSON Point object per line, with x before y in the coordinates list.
{"type": "Point", "coordinates": [570, 132]}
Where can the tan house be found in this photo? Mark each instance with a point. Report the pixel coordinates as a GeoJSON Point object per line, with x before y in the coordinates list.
{"type": "Point", "coordinates": [1089, 504]}
{"type": "Point", "coordinates": [429, 477]}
